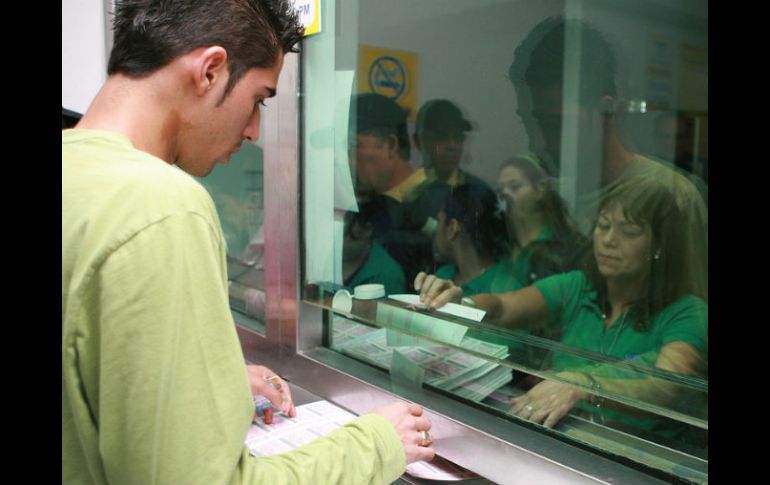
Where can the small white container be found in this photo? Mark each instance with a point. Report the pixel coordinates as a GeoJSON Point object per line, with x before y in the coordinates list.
{"type": "Point", "coordinates": [369, 292]}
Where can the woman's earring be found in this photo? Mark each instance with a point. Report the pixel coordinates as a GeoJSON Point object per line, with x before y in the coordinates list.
{"type": "Point", "coordinates": [657, 255]}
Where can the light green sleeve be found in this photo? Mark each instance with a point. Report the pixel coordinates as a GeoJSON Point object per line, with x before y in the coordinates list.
{"type": "Point", "coordinates": [366, 451]}
{"type": "Point", "coordinates": [172, 394]}
{"type": "Point", "coordinates": [170, 390]}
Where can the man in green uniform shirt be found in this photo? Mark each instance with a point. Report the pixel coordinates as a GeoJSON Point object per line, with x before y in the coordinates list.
{"type": "Point", "coordinates": [154, 386]}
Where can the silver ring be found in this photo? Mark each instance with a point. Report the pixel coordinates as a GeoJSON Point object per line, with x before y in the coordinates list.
{"type": "Point", "coordinates": [425, 439]}
{"type": "Point", "coordinates": [529, 408]}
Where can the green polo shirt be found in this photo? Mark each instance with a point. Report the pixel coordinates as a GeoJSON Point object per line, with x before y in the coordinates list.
{"type": "Point", "coordinates": [572, 304]}
{"type": "Point", "coordinates": [506, 275]}
{"type": "Point", "coordinates": [515, 274]}
{"type": "Point", "coordinates": [511, 275]}
{"type": "Point", "coordinates": [480, 284]}
{"type": "Point", "coordinates": [379, 267]}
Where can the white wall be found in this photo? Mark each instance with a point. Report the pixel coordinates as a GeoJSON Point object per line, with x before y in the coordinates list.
{"type": "Point", "coordinates": [83, 52]}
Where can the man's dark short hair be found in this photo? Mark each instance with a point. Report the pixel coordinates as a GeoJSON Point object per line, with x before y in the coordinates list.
{"type": "Point", "coordinates": [375, 114]}
{"type": "Point", "coordinates": [150, 34]}
{"type": "Point", "coordinates": [538, 62]}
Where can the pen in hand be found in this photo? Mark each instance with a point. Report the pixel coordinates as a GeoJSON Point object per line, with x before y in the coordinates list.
{"type": "Point", "coordinates": [263, 408]}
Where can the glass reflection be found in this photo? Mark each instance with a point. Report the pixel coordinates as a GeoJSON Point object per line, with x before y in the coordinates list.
{"type": "Point", "coordinates": [592, 258]}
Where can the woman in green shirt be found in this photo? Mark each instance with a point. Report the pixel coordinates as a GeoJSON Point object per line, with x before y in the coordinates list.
{"type": "Point", "coordinates": [639, 298]}
{"type": "Point", "coordinates": [469, 238]}
{"type": "Point", "coordinates": [543, 238]}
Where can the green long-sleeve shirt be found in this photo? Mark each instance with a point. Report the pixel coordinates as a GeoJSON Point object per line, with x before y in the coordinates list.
{"type": "Point", "coordinates": [154, 387]}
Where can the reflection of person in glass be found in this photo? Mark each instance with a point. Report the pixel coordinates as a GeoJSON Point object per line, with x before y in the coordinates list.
{"type": "Point", "coordinates": [379, 148]}
{"type": "Point", "coordinates": [440, 137]}
{"type": "Point", "coordinates": [544, 240]}
{"type": "Point", "coordinates": [675, 140]}
{"type": "Point", "coordinates": [640, 297]}
{"type": "Point", "coordinates": [538, 76]}
{"type": "Point", "coordinates": [379, 154]}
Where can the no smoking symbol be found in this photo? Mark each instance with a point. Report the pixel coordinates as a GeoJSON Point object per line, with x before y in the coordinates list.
{"type": "Point", "coordinates": [387, 77]}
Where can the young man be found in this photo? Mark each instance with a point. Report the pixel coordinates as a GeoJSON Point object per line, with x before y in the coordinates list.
{"type": "Point", "coordinates": [154, 386]}
{"type": "Point", "coordinates": [440, 137]}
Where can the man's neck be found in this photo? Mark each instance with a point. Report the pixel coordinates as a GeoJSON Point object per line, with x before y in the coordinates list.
{"type": "Point", "coordinates": [139, 110]}
{"type": "Point", "coordinates": [402, 172]}
{"type": "Point", "coordinates": [616, 159]}
{"type": "Point", "coordinates": [451, 177]}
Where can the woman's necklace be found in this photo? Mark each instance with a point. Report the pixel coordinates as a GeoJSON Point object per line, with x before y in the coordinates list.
{"type": "Point", "coordinates": [598, 416]}
{"type": "Point", "coordinates": [617, 334]}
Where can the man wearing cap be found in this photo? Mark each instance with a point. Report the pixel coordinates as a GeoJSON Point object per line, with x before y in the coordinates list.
{"type": "Point", "coordinates": [379, 154]}
{"type": "Point", "coordinates": [380, 148]}
{"type": "Point", "coordinates": [440, 137]}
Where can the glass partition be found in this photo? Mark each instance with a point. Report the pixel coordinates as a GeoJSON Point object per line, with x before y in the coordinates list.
{"type": "Point", "coordinates": [542, 166]}
{"type": "Point", "coordinates": [238, 194]}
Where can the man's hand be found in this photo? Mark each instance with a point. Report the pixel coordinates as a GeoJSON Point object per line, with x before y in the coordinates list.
{"type": "Point", "coordinates": [265, 382]}
{"type": "Point", "coordinates": [410, 424]}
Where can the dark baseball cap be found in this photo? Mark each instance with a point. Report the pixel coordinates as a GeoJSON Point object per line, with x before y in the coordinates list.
{"type": "Point", "coordinates": [371, 111]}
{"type": "Point", "coordinates": [440, 115]}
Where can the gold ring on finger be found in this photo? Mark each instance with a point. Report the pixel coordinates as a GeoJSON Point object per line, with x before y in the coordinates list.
{"type": "Point", "coordinates": [275, 381]}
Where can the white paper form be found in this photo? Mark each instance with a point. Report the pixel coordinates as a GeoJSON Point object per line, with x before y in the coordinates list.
{"type": "Point", "coordinates": [461, 311]}
{"type": "Point", "coordinates": [284, 434]}
{"type": "Point", "coordinates": [319, 419]}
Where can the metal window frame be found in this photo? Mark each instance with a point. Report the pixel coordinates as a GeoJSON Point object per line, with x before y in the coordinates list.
{"type": "Point", "coordinates": [494, 448]}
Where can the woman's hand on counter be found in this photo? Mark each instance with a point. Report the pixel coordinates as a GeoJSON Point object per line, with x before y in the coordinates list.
{"type": "Point", "coordinates": [436, 292]}
{"type": "Point", "coordinates": [547, 402]}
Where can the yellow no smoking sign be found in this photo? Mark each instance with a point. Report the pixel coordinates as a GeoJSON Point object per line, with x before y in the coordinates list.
{"type": "Point", "coordinates": [390, 72]}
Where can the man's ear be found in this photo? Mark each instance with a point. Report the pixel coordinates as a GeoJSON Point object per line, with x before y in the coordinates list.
{"type": "Point", "coordinates": [392, 142]}
{"type": "Point", "coordinates": [209, 68]}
